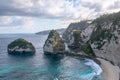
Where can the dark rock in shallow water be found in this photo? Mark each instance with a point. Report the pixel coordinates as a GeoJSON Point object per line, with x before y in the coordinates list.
{"type": "Point", "coordinates": [21, 47]}
{"type": "Point", "coordinates": [54, 44]}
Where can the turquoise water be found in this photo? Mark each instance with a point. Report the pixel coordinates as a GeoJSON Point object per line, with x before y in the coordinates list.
{"type": "Point", "coordinates": [40, 66]}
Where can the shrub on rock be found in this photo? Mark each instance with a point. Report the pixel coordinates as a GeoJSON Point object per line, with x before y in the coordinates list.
{"type": "Point", "coordinates": [21, 46]}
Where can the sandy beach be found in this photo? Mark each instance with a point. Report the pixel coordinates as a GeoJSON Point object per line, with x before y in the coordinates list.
{"type": "Point", "coordinates": [110, 72]}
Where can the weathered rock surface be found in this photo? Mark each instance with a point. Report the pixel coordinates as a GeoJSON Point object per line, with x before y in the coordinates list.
{"type": "Point", "coordinates": [82, 26]}
{"type": "Point", "coordinates": [78, 45]}
{"type": "Point", "coordinates": [77, 36]}
{"type": "Point", "coordinates": [105, 37]}
{"type": "Point", "coordinates": [21, 47]}
{"type": "Point", "coordinates": [54, 43]}
{"type": "Point", "coordinates": [75, 39]}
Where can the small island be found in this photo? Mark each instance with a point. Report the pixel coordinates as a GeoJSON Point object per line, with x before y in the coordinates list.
{"type": "Point", "coordinates": [21, 47]}
{"type": "Point", "coordinates": [54, 43]}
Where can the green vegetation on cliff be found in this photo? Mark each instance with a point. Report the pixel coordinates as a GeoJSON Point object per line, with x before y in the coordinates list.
{"type": "Point", "coordinates": [87, 49]}
{"type": "Point", "coordinates": [101, 34]}
{"type": "Point", "coordinates": [77, 38]}
{"type": "Point", "coordinates": [113, 18]}
{"type": "Point", "coordinates": [105, 26]}
{"type": "Point", "coordinates": [54, 33]}
{"type": "Point", "coordinates": [55, 40]}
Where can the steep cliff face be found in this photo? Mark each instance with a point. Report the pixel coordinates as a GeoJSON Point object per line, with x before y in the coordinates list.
{"type": "Point", "coordinates": [103, 34]}
{"type": "Point", "coordinates": [75, 26]}
{"type": "Point", "coordinates": [77, 38]}
{"type": "Point", "coordinates": [105, 37]}
{"type": "Point", "coordinates": [54, 44]}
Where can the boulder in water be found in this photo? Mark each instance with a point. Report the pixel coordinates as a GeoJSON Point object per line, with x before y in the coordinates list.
{"type": "Point", "coordinates": [21, 47]}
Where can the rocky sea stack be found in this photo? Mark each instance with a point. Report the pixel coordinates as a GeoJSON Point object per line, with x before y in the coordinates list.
{"type": "Point", "coordinates": [54, 43]}
{"type": "Point", "coordinates": [21, 47]}
{"type": "Point", "coordinates": [75, 39]}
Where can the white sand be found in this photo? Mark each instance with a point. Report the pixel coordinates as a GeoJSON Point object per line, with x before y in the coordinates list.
{"type": "Point", "coordinates": [110, 72]}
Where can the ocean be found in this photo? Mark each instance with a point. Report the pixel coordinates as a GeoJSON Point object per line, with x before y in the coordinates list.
{"type": "Point", "coordinates": [43, 67]}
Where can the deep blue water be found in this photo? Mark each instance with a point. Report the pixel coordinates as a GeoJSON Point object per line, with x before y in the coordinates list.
{"type": "Point", "coordinates": [40, 66]}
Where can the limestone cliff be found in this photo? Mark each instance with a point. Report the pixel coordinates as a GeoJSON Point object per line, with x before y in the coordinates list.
{"type": "Point", "coordinates": [75, 39]}
{"type": "Point", "coordinates": [103, 34]}
{"type": "Point", "coordinates": [105, 37]}
{"type": "Point", "coordinates": [76, 26]}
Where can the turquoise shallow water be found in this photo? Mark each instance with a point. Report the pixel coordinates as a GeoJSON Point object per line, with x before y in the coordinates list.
{"type": "Point", "coordinates": [40, 66]}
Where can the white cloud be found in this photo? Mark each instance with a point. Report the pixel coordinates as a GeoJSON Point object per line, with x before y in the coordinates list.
{"type": "Point", "coordinates": [23, 3]}
{"type": "Point", "coordinates": [5, 20]}
{"type": "Point", "coordinates": [25, 14]}
{"type": "Point", "coordinates": [65, 9]}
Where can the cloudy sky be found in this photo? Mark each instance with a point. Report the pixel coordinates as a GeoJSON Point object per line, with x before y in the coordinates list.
{"type": "Point", "coordinates": [30, 16]}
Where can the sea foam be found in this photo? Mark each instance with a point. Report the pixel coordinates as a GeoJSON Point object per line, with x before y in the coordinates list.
{"type": "Point", "coordinates": [97, 69]}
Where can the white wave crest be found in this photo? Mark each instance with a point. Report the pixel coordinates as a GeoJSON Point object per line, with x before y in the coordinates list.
{"type": "Point", "coordinates": [97, 69]}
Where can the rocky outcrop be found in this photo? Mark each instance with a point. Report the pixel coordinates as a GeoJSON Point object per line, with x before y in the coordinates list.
{"type": "Point", "coordinates": [76, 26]}
{"type": "Point", "coordinates": [21, 47]}
{"type": "Point", "coordinates": [54, 44]}
{"type": "Point", "coordinates": [75, 39]}
{"type": "Point", "coordinates": [77, 36]}
{"type": "Point", "coordinates": [78, 45]}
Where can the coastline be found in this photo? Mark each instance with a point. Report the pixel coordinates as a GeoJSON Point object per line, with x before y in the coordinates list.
{"type": "Point", "coordinates": [110, 72]}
